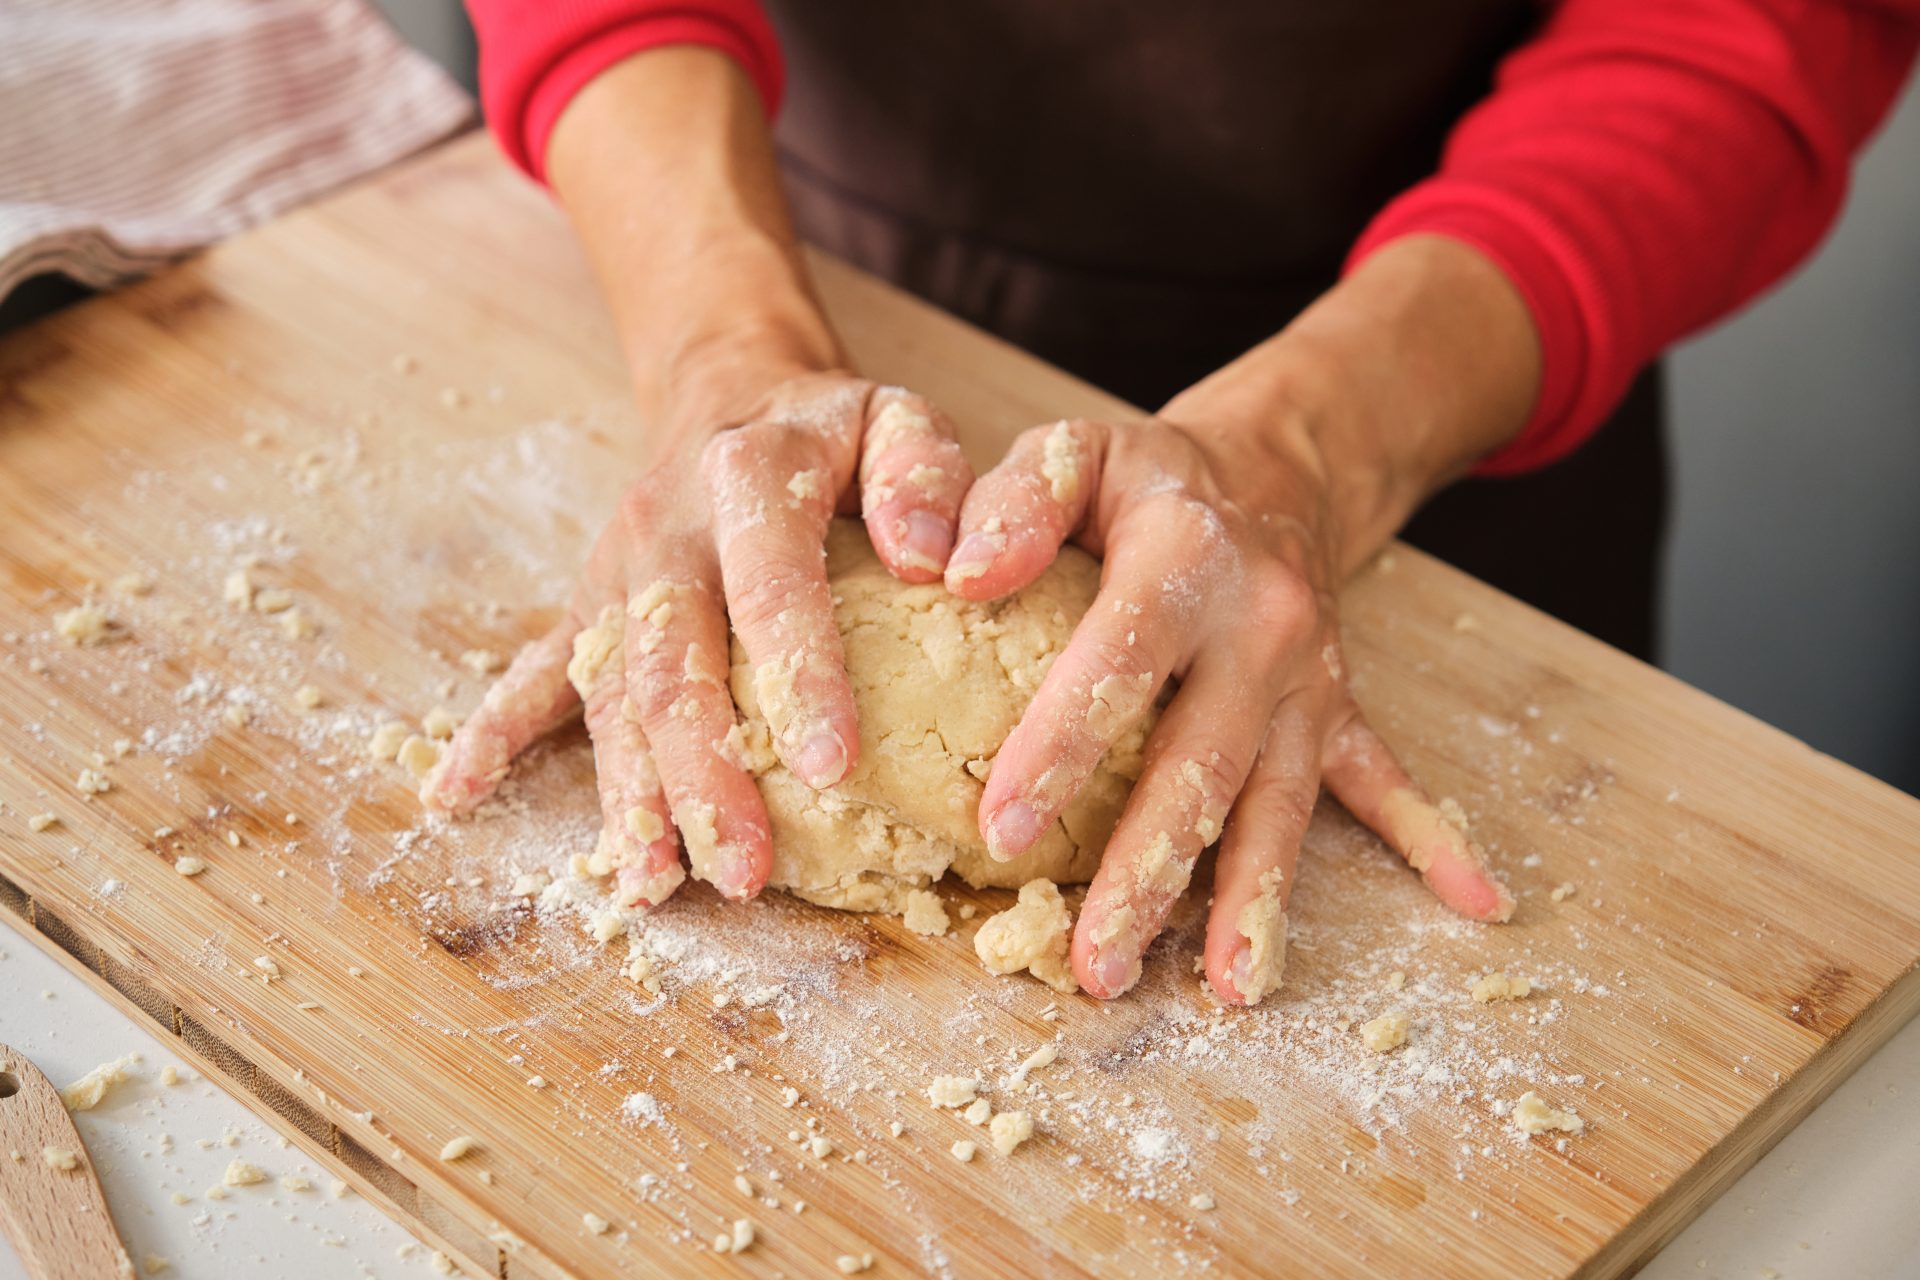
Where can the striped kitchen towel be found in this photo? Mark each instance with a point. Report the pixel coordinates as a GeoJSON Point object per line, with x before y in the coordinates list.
{"type": "Point", "coordinates": [133, 131]}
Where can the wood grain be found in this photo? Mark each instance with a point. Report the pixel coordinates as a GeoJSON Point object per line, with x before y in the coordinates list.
{"type": "Point", "coordinates": [1743, 929]}
{"type": "Point", "coordinates": [57, 1219]}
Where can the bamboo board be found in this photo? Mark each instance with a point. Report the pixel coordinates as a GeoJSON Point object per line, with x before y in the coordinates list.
{"type": "Point", "coordinates": [1743, 929]}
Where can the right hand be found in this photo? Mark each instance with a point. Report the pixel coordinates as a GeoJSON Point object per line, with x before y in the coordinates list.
{"type": "Point", "coordinates": [730, 524]}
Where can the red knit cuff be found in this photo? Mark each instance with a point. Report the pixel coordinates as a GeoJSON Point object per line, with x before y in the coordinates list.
{"type": "Point", "coordinates": [1520, 243]}
{"type": "Point", "coordinates": [532, 66]}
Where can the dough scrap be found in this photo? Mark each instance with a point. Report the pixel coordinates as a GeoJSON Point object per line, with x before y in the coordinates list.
{"type": "Point", "coordinates": [939, 683]}
{"type": "Point", "coordinates": [1500, 986]}
{"type": "Point", "coordinates": [1386, 1032]}
{"type": "Point", "coordinates": [1033, 934]}
{"type": "Point", "coordinates": [1010, 1129]}
{"type": "Point", "coordinates": [87, 1092]}
{"type": "Point", "coordinates": [84, 625]}
{"type": "Point", "coordinates": [1533, 1114]}
{"type": "Point", "coordinates": [925, 914]}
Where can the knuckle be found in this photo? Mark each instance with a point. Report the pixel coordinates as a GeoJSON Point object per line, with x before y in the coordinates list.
{"type": "Point", "coordinates": [1282, 599]}
{"type": "Point", "coordinates": [734, 453]}
{"type": "Point", "coordinates": [766, 592]}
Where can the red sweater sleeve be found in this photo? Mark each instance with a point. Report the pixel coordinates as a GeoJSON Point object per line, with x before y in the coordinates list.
{"type": "Point", "coordinates": [536, 54]}
{"type": "Point", "coordinates": [1644, 167]}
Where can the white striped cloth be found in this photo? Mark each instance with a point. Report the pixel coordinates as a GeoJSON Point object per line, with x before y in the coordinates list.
{"type": "Point", "coordinates": [133, 131]}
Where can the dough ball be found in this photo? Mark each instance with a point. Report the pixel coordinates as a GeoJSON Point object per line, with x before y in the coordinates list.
{"type": "Point", "coordinates": [939, 683]}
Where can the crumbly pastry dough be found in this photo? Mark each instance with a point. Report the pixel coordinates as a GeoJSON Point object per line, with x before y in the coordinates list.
{"type": "Point", "coordinates": [1034, 934]}
{"type": "Point", "coordinates": [1533, 1114]}
{"type": "Point", "coordinates": [1501, 986]}
{"type": "Point", "coordinates": [939, 682]}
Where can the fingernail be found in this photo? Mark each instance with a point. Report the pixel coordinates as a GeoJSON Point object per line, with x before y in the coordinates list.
{"type": "Point", "coordinates": [975, 552]}
{"type": "Point", "coordinates": [1240, 968]}
{"type": "Point", "coordinates": [736, 877]}
{"type": "Point", "coordinates": [1013, 829]}
{"type": "Point", "coordinates": [1116, 972]}
{"type": "Point", "coordinates": [822, 759]}
{"type": "Point", "coordinates": [927, 539]}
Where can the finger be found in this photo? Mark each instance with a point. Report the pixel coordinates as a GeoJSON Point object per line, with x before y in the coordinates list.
{"type": "Point", "coordinates": [1246, 947]}
{"type": "Point", "coordinates": [634, 838]}
{"type": "Point", "coordinates": [531, 697]}
{"type": "Point", "coordinates": [676, 656]}
{"type": "Point", "coordinates": [1107, 677]}
{"type": "Point", "coordinates": [912, 478]}
{"type": "Point", "coordinates": [772, 487]}
{"type": "Point", "coordinates": [1016, 516]}
{"type": "Point", "coordinates": [1363, 775]}
{"type": "Point", "coordinates": [1197, 761]}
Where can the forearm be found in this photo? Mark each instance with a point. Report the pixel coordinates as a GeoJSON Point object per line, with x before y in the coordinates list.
{"type": "Point", "coordinates": [665, 165]}
{"type": "Point", "coordinates": [1393, 383]}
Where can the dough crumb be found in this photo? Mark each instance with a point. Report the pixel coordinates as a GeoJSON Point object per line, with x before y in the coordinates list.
{"type": "Point", "coordinates": [60, 1158]}
{"type": "Point", "coordinates": [308, 696]}
{"type": "Point", "coordinates": [1532, 1114]}
{"type": "Point", "coordinates": [85, 625]}
{"type": "Point", "coordinates": [1060, 463]}
{"type": "Point", "coordinates": [296, 625]}
{"type": "Point", "coordinates": [1010, 1129]}
{"type": "Point", "coordinates": [1201, 1200]}
{"type": "Point", "coordinates": [188, 865]}
{"type": "Point", "coordinates": [170, 1075]}
{"type": "Point", "coordinates": [979, 1112]}
{"type": "Point", "coordinates": [272, 600]}
{"type": "Point", "coordinates": [1500, 986]}
{"type": "Point", "coordinates": [155, 1264]}
{"type": "Point", "coordinates": [242, 1174]}
{"type": "Point", "coordinates": [1042, 1057]}
{"type": "Point", "coordinates": [132, 584]}
{"type": "Point", "coordinates": [459, 1146]}
{"type": "Point", "coordinates": [439, 723]}
{"type": "Point", "coordinates": [417, 755]}
{"type": "Point", "coordinates": [1033, 935]}
{"type": "Point", "coordinates": [238, 590]}
{"type": "Point", "coordinates": [87, 1092]}
{"type": "Point", "coordinates": [296, 1182]}
{"type": "Point", "coordinates": [441, 1263]}
{"type": "Point", "coordinates": [1564, 890]}
{"type": "Point", "coordinates": [849, 1264]}
{"type": "Point", "coordinates": [386, 740]}
{"type": "Point", "coordinates": [482, 662]}
{"type": "Point", "coordinates": [41, 821]}
{"type": "Point", "coordinates": [596, 1224]}
{"type": "Point", "coordinates": [925, 915]}
{"type": "Point", "coordinates": [953, 1091]}
{"type": "Point", "coordinates": [1386, 1032]}
{"type": "Point", "coordinates": [963, 1150]}
{"type": "Point", "coordinates": [743, 1236]}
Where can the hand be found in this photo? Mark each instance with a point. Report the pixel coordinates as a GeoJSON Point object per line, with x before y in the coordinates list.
{"type": "Point", "coordinates": [1222, 560]}
{"type": "Point", "coordinates": [729, 523]}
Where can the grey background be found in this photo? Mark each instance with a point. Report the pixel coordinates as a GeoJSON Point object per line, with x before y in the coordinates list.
{"type": "Point", "coordinates": [1795, 551]}
{"type": "Point", "coordinates": [1794, 562]}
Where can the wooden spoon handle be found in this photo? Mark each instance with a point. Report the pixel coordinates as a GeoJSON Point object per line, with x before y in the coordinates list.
{"type": "Point", "coordinates": [56, 1217]}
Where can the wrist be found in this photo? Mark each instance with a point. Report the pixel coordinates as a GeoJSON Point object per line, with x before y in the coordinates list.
{"type": "Point", "coordinates": [1391, 385]}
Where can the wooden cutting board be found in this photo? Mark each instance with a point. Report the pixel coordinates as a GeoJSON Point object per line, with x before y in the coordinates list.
{"type": "Point", "coordinates": [405, 404]}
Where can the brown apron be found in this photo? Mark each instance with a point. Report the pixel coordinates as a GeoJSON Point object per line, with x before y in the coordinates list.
{"type": "Point", "coordinates": [1139, 193]}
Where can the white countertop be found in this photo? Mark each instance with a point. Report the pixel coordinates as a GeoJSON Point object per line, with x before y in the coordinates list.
{"type": "Point", "coordinates": [1836, 1198]}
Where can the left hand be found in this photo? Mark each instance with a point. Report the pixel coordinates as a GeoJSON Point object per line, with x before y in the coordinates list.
{"type": "Point", "coordinates": [1221, 568]}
